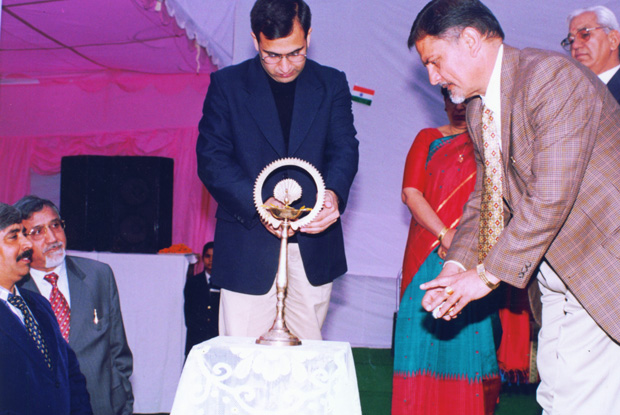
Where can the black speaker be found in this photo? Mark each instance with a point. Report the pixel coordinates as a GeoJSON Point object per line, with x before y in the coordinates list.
{"type": "Point", "coordinates": [117, 203]}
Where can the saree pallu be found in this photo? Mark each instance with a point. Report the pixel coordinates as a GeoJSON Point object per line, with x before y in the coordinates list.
{"type": "Point", "coordinates": [441, 367]}
{"type": "Point", "coordinates": [444, 170]}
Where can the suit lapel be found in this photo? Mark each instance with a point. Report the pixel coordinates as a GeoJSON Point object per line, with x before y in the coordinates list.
{"type": "Point", "coordinates": [509, 66]}
{"type": "Point", "coordinates": [614, 85]}
{"type": "Point", "coordinates": [29, 284]}
{"type": "Point", "coordinates": [474, 115]}
{"type": "Point", "coordinates": [16, 331]}
{"type": "Point", "coordinates": [262, 106]}
{"type": "Point", "coordinates": [510, 63]}
{"type": "Point", "coordinates": [308, 98]}
{"type": "Point", "coordinates": [46, 326]}
{"type": "Point", "coordinates": [80, 299]}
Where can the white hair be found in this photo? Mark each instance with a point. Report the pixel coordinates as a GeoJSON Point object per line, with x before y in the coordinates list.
{"type": "Point", "coordinates": [604, 16]}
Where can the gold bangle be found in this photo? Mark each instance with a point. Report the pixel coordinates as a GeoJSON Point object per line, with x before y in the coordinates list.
{"type": "Point", "coordinates": [443, 233]}
{"type": "Point", "coordinates": [483, 276]}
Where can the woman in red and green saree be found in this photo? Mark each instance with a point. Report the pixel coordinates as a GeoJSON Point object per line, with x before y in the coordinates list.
{"type": "Point", "coordinates": [441, 367]}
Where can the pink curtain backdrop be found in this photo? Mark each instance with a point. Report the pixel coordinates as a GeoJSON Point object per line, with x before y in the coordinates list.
{"type": "Point", "coordinates": [193, 208]}
{"type": "Point", "coordinates": [110, 114]}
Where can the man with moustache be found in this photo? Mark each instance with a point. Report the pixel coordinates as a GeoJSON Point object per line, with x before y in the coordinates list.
{"type": "Point", "coordinates": [546, 133]}
{"type": "Point", "coordinates": [594, 40]}
{"type": "Point", "coordinates": [85, 299]}
{"type": "Point", "coordinates": [39, 373]}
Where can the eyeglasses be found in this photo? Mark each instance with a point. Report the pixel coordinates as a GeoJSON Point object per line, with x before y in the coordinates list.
{"type": "Point", "coordinates": [38, 232]}
{"type": "Point", "coordinates": [293, 57]}
{"type": "Point", "coordinates": [582, 34]}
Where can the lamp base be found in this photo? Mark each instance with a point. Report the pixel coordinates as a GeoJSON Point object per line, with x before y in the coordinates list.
{"type": "Point", "coordinates": [278, 337]}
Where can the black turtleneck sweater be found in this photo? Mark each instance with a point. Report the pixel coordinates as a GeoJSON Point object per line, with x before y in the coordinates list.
{"type": "Point", "coordinates": [284, 95]}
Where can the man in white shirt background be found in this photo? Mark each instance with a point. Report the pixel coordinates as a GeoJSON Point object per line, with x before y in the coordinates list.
{"type": "Point", "coordinates": [594, 40]}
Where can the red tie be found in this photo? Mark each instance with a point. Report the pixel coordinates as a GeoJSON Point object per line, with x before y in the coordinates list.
{"type": "Point", "coordinates": [60, 306]}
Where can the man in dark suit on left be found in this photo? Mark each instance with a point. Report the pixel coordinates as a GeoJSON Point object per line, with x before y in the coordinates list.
{"type": "Point", "coordinates": [202, 303]}
{"type": "Point", "coordinates": [39, 373]}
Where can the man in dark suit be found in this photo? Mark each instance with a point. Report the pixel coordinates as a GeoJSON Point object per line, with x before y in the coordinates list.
{"type": "Point", "coordinates": [546, 134]}
{"type": "Point", "coordinates": [202, 303]}
{"type": "Point", "coordinates": [92, 320]}
{"type": "Point", "coordinates": [278, 104]}
{"type": "Point", "coordinates": [594, 40]}
{"type": "Point", "coordinates": [39, 373]}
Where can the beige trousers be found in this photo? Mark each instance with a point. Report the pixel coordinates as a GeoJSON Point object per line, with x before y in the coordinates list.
{"type": "Point", "coordinates": [305, 307]}
{"type": "Point", "coordinates": [577, 361]}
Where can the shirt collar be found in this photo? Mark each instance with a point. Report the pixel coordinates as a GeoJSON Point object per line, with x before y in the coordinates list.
{"type": "Point", "coordinates": [492, 97]}
{"type": "Point", "coordinates": [608, 74]}
{"type": "Point", "coordinates": [4, 293]}
{"type": "Point", "coordinates": [39, 275]}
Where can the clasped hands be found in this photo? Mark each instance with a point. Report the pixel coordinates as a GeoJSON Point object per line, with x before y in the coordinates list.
{"type": "Point", "coordinates": [453, 289]}
{"type": "Point", "coordinates": [328, 215]}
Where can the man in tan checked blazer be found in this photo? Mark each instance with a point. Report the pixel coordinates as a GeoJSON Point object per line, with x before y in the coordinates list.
{"type": "Point", "coordinates": [559, 137]}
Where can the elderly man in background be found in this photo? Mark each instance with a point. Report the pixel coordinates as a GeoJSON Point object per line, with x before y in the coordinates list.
{"type": "Point", "coordinates": [85, 300]}
{"type": "Point", "coordinates": [594, 40]}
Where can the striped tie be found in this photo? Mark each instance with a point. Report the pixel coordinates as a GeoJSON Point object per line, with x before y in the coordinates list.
{"type": "Point", "coordinates": [60, 306]}
{"type": "Point", "coordinates": [31, 326]}
{"type": "Point", "coordinates": [491, 207]}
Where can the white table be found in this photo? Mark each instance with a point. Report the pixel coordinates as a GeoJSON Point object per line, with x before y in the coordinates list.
{"type": "Point", "coordinates": [150, 288]}
{"type": "Point", "coordinates": [234, 375]}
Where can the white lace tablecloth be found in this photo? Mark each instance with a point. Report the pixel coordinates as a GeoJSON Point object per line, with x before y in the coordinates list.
{"type": "Point", "coordinates": [234, 375]}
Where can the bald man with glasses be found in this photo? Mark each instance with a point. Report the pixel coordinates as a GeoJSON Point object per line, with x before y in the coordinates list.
{"type": "Point", "coordinates": [594, 40]}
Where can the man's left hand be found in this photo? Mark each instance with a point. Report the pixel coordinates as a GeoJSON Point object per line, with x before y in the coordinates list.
{"type": "Point", "coordinates": [327, 217]}
{"type": "Point", "coordinates": [465, 286]}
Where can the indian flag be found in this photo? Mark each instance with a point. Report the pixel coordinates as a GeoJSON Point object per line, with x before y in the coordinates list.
{"type": "Point", "coordinates": [362, 95]}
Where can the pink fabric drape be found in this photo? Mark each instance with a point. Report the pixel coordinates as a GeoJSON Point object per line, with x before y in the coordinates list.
{"type": "Point", "coordinates": [193, 220]}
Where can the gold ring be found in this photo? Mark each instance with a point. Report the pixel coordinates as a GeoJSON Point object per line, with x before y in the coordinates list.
{"type": "Point", "coordinates": [449, 290]}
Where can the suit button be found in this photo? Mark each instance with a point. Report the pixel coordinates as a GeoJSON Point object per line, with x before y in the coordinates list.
{"type": "Point", "coordinates": [57, 384]}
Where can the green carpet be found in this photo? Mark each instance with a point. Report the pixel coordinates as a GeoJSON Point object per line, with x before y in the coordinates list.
{"type": "Point", "coordinates": [374, 379]}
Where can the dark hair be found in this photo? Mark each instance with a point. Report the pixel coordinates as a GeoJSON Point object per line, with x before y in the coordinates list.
{"type": "Point", "coordinates": [31, 204]}
{"type": "Point", "coordinates": [275, 18]}
{"type": "Point", "coordinates": [439, 16]}
{"type": "Point", "coordinates": [9, 215]}
{"type": "Point", "coordinates": [206, 247]}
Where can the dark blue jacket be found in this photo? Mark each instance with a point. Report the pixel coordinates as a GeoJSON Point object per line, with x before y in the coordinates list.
{"type": "Point", "coordinates": [27, 385]}
{"type": "Point", "coordinates": [614, 86]}
{"type": "Point", "coordinates": [240, 134]}
{"type": "Point", "coordinates": [201, 309]}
